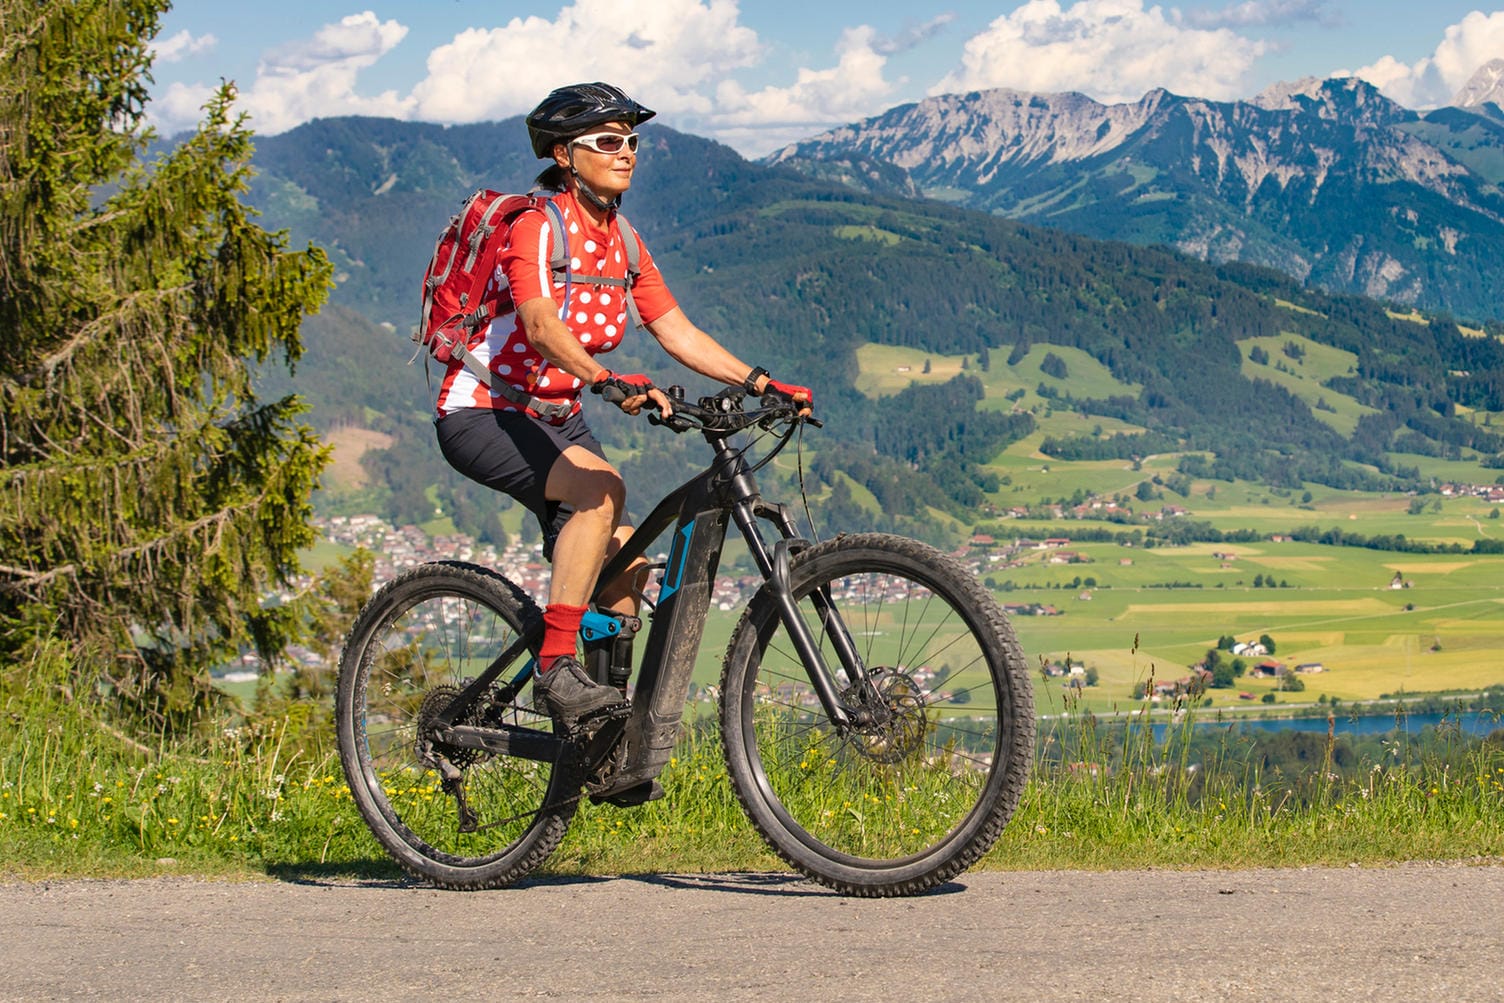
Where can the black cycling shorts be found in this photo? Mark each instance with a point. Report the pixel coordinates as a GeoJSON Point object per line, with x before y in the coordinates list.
{"type": "Point", "coordinates": [511, 452]}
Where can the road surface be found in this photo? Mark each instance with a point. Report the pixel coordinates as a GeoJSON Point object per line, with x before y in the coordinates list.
{"type": "Point", "coordinates": [1410, 932]}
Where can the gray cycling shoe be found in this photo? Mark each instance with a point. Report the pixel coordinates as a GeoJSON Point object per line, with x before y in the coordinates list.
{"type": "Point", "coordinates": [568, 693]}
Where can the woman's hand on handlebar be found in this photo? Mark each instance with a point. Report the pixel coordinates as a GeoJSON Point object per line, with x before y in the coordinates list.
{"type": "Point", "coordinates": [803, 396]}
{"type": "Point", "coordinates": [630, 392]}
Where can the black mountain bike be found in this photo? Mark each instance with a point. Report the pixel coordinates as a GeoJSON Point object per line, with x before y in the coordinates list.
{"type": "Point", "coordinates": [875, 707]}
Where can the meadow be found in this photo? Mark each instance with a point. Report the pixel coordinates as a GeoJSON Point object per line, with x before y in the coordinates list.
{"type": "Point", "coordinates": [262, 792]}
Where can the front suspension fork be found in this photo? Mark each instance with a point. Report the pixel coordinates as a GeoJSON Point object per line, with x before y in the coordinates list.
{"type": "Point", "coordinates": [775, 567]}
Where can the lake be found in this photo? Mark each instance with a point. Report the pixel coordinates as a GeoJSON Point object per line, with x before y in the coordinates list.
{"type": "Point", "coordinates": [1470, 723]}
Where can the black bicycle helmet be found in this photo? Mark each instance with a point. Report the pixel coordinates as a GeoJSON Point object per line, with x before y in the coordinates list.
{"type": "Point", "coordinates": [575, 110]}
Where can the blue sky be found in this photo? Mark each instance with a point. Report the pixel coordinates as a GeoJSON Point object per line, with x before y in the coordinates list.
{"type": "Point", "coordinates": [757, 75]}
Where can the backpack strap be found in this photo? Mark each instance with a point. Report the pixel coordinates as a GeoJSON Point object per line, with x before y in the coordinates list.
{"type": "Point", "coordinates": [633, 248]}
{"type": "Point", "coordinates": [634, 264]}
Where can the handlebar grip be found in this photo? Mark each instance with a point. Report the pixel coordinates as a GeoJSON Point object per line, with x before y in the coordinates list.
{"type": "Point", "coordinates": [612, 394]}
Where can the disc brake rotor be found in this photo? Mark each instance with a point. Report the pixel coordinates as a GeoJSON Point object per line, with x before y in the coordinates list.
{"type": "Point", "coordinates": [899, 726]}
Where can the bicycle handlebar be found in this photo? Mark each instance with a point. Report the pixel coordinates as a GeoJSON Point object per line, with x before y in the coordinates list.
{"type": "Point", "coordinates": [719, 412]}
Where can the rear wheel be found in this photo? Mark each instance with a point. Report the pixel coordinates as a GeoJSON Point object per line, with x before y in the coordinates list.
{"type": "Point", "coordinates": [925, 785]}
{"type": "Point", "coordinates": [417, 643]}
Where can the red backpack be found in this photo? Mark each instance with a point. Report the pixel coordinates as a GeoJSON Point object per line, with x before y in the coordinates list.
{"type": "Point", "coordinates": [462, 290]}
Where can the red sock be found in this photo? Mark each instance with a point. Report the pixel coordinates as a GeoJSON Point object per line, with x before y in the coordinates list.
{"type": "Point", "coordinates": [560, 625]}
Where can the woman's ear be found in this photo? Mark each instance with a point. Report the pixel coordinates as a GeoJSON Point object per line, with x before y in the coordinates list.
{"type": "Point", "coordinates": [561, 155]}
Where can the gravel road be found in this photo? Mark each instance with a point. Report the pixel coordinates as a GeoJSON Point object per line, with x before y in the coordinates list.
{"type": "Point", "coordinates": [1416, 931]}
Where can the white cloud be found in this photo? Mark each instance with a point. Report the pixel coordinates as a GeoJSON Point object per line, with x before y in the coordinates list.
{"type": "Point", "coordinates": [307, 79]}
{"type": "Point", "coordinates": [680, 57]}
{"type": "Point", "coordinates": [667, 53]}
{"type": "Point", "coordinates": [1112, 50]}
{"type": "Point", "coordinates": [912, 35]}
{"type": "Point", "coordinates": [183, 45]}
{"type": "Point", "coordinates": [179, 107]}
{"type": "Point", "coordinates": [1432, 81]}
{"type": "Point", "coordinates": [316, 77]}
{"type": "Point", "coordinates": [854, 88]}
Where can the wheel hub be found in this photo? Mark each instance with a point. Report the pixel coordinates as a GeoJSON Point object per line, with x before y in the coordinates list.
{"type": "Point", "coordinates": [895, 704]}
{"type": "Point", "coordinates": [429, 750]}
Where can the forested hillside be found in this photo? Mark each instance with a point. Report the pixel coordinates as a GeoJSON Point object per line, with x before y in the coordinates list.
{"type": "Point", "coordinates": [798, 274]}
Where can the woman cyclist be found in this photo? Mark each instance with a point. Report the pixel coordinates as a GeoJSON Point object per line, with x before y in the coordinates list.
{"type": "Point", "coordinates": [525, 434]}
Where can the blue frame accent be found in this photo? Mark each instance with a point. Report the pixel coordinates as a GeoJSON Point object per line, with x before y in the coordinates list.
{"type": "Point", "coordinates": [594, 626]}
{"type": "Point", "coordinates": [673, 575]}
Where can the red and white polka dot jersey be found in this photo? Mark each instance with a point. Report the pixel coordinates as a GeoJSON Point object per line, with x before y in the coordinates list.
{"type": "Point", "coordinates": [597, 314]}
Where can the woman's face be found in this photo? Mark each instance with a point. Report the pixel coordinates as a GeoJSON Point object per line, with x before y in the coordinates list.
{"type": "Point", "coordinates": [607, 174]}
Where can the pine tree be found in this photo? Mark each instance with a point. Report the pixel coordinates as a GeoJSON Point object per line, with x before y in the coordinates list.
{"type": "Point", "coordinates": [149, 499]}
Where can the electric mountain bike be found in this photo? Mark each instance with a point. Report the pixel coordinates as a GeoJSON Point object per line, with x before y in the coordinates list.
{"type": "Point", "coordinates": [875, 707]}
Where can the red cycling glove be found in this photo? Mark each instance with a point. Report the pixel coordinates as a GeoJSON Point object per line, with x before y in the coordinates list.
{"type": "Point", "coordinates": [790, 390]}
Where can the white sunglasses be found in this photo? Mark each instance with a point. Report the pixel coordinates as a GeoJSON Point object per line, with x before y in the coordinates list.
{"type": "Point", "coordinates": [606, 142]}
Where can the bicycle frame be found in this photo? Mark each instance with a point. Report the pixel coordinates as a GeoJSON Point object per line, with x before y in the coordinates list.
{"type": "Point", "coordinates": [700, 511]}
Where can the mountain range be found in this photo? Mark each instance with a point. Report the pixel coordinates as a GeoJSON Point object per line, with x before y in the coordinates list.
{"type": "Point", "coordinates": [1326, 180]}
{"type": "Point", "coordinates": [803, 275]}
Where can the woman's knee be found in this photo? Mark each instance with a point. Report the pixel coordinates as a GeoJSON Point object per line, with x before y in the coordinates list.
{"type": "Point", "coordinates": [588, 486]}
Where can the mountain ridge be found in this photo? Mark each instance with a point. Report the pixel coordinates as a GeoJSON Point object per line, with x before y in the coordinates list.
{"type": "Point", "coordinates": [1327, 180]}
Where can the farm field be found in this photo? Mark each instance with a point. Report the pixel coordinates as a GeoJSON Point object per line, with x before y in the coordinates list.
{"type": "Point", "coordinates": [1341, 614]}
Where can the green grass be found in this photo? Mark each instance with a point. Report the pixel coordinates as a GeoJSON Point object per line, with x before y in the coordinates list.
{"type": "Point", "coordinates": [78, 799]}
{"type": "Point", "coordinates": [887, 369]}
{"type": "Point", "coordinates": [867, 233]}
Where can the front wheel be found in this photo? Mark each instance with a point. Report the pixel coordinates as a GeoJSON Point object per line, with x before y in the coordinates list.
{"type": "Point", "coordinates": [458, 817]}
{"type": "Point", "coordinates": [921, 788]}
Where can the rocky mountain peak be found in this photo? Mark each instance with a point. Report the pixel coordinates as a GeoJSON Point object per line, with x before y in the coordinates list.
{"type": "Point", "coordinates": [1348, 100]}
{"type": "Point", "coordinates": [1486, 85]}
{"type": "Point", "coordinates": [1281, 96]}
{"type": "Point", "coordinates": [1327, 179]}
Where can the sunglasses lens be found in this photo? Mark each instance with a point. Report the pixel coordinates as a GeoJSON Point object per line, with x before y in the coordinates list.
{"type": "Point", "coordinates": [608, 142]}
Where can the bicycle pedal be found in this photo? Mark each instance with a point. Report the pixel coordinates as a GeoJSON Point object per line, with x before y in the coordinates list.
{"type": "Point", "coordinates": [586, 726]}
{"type": "Point", "coordinates": [615, 712]}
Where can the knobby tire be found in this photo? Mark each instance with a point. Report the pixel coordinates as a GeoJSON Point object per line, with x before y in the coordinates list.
{"type": "Point", "coordinates": [911, 800]}
{"type": "Point", "coordinates": [426, 634]}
